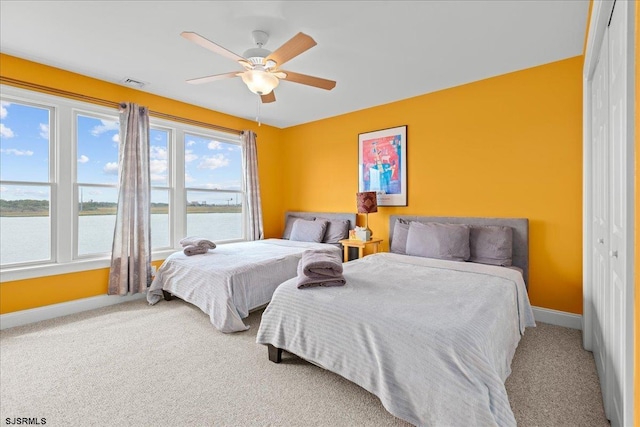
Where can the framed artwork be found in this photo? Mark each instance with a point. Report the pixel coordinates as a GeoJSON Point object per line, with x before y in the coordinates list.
{"type": "Point", "coordinates": [382, 165]}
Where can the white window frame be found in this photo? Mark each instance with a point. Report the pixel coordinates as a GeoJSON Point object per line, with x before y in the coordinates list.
{"type": "Point", "coordinates": [170, 186]}
{"type": "Point", "coordinates": [64, 187]}
{"type": "Point", "coordinates": [227, 139]}
{"type": "Point", "coordinates": [52, 175]}
{"type": "Point", "coordinates": [106, 114]}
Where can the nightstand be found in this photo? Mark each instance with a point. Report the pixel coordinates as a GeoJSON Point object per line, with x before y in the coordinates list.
{"type": "Point", "coordinates": [360, 244]}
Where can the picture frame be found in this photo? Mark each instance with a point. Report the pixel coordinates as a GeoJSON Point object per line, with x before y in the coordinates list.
{"type": "Point", "coordinates": [382, 165]}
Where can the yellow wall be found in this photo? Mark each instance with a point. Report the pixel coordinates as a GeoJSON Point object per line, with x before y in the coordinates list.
{"type": "Point", "coordinates": [30, 293]}
{"type": "Point", "coordinates": [506, 146]}
{"type": "Point", "coordinates": [509, 146]}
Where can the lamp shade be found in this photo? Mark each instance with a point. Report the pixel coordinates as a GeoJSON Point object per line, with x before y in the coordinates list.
{"type": "Point", "coordinates": [260, 82]}
{"type": "Point", "coordinates": [367, 202]}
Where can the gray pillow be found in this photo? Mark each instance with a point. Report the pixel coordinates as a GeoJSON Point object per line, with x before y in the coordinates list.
{"type": "Point", "coordinates": [308, 231]}
{"type": "Point", "coordinates": [289, 224]}
{"type": "Point", "coordinates": [491, 244]}
{"type": "Point", "coordinates": [337, 229]}
{"type": "Point", "coordinates": [437, 240]}
{"type": "Point", "coordinates": [399, 237]}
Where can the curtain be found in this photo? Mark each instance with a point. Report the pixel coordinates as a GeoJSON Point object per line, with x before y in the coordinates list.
{"type": "Point", "coordinates": [255, 230]}
{"type": "Point", "coordinates": [131, 252]}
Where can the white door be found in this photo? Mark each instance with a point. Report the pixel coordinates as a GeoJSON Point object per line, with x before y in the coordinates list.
{"type": "Point", "coordinates": [620, 227]}
{"type": "Point", "coordinates": [600, 212]}
{"type": "Point", "coordinates": [609, 203]}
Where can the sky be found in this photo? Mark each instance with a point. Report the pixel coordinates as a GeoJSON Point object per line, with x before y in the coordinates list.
{"type": "Point", "coordinates": [24, 156]}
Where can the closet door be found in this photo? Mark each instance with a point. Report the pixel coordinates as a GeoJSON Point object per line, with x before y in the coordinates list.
{"type": "Point", "coordinates": [600, 211]}
{"type": "Point", "coordinates": [620, 230]}
{"type": "Point", "coordinates": [609, 204]}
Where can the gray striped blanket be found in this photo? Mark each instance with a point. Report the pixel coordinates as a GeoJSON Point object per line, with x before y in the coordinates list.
{"type": "Point", "coordinates": [228, 282]}
{"type": "Point", "coordinates": [432, 339]}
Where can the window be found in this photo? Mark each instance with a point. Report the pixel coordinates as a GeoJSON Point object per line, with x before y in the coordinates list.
{"type": "Point", "coordinates": [159, 163]}
{"type": "Point", "coordinates": [59, 180]}
{"type": "Point", "coordinates": [213, 181]}
{"type": "Point", "coordinates": [25, 183]}
{"type": "Point", "coordinates": [97, 182]}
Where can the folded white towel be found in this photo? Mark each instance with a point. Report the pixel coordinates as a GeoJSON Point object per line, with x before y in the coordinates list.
{"type": "Point", "coordinates": [197, 241]}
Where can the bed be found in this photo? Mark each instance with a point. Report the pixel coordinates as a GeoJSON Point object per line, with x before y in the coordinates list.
{"type": "Point", "coordinates": [230, 281]}
{"type": "Point", "coordinates": [432, 338]}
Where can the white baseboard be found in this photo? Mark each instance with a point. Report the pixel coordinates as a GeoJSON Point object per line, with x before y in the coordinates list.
{"type": "Point", "coordinates": [32, 315]}
{"type": "Point", "coordinates": [23, 317]}
{"type": "Point", "coordinates": [558, 318]}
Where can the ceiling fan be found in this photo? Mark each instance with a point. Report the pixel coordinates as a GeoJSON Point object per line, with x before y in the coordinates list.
{"type": "Point", "coordinates": [261, 67]}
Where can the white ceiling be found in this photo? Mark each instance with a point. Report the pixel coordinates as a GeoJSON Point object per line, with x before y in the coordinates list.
{"type": "Point", "coordinates": [377, 51]}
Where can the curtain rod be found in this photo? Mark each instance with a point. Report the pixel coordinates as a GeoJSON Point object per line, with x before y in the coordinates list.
{"type": "Point", "coordinates": [111, 104]}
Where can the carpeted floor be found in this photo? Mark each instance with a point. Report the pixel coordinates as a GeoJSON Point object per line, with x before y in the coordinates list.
{"type": "Point", "coordinates": [137, 365]}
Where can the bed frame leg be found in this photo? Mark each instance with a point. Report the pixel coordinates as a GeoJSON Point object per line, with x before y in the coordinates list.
{"type": "Point", "coordinates": [275, 354]}
{"type": "Point", "coordinates": [167, 295]}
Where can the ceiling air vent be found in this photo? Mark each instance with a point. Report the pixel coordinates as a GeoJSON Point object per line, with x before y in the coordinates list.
{"type": "Point", "coordinates": [134, 83]}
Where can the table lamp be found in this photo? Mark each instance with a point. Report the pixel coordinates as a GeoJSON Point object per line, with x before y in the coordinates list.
{"type": "Point", "coordinates": [367, 203]}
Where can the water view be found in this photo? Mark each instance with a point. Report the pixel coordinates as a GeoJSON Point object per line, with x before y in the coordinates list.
{"type": "Point", "coordinates": [28, 238]}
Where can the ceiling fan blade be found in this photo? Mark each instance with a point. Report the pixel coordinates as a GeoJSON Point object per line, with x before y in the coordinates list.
{"type": "Point", "coordinates": [208, 79]}
{"type": "Point", "coordinates": [270, 97]}
{"type": "Point", "coordinates": [208, 44]}
{"type": "Point", "coordinates": [309, 80]}
{"type": "Point", "coordinates": [292, 48]}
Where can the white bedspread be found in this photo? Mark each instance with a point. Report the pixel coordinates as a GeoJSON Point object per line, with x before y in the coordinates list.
{"type": "Point", "coordinates": [232, 279]}
{"type": "Point", "coordinates": [434, 340]}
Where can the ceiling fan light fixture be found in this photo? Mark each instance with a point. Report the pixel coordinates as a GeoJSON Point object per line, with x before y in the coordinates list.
{"type": "Point", "coordinates": [260, 82]}
{"type": "Point", "coordinates": [256, 55]}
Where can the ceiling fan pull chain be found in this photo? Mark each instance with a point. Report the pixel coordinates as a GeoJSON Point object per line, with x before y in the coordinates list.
{"type": "Point", "coordinates": [258, 116]}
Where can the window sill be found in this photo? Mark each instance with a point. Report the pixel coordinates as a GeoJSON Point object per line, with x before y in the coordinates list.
{"type": "Point", "coordinates": [43, 270]}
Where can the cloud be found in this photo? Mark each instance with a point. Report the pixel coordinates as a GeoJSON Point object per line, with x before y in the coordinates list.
{"type": "Point", "coordinates": [229, 185]}
{"type": "Point", "coordinates": [95, 192]}
{"type": "Point", "coordinates": [189, 156]}
{"type": "Point", "coordinates": [188, 178]}
{"type": "Point", "coordinates": [44, 131]}
{"type": "Point", "coordinates": [111, 168]}
{"type": "Point", "coordinates": [3, 109]}
{"type": "Point", "coordinates": [233, 186]}
{"type": "Point", "coordinates": [214, 145]}
{"type": "Point", "coordinates": [16, 152]}
{"type": "Point", "coordinates": [213, 162]}
{"type": "Point", "coordinates": [83, 159]}
{"type": "Point", "coordinates": [158, 178]}
{"type": "Point", "coordinates": [29, 192]}
{"type": "Point", "coordinates": [190, 143]}
{"type": "Point", "coordinates": [158, 166]}
{"type": "Point", "coordinates": [5, 132]}
{"type": "Point", "coordinates": [116, 138]}
{"type": "Point", "coordinates": [105, 126]}
{"type": "Point", "coordinates": [158, 152]}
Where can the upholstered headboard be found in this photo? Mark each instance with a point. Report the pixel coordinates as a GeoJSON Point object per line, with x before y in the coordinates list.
{"type": "Point", "coordinates": [520, 226]}
{"type": "Point", "coordinates": [351, 217]}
